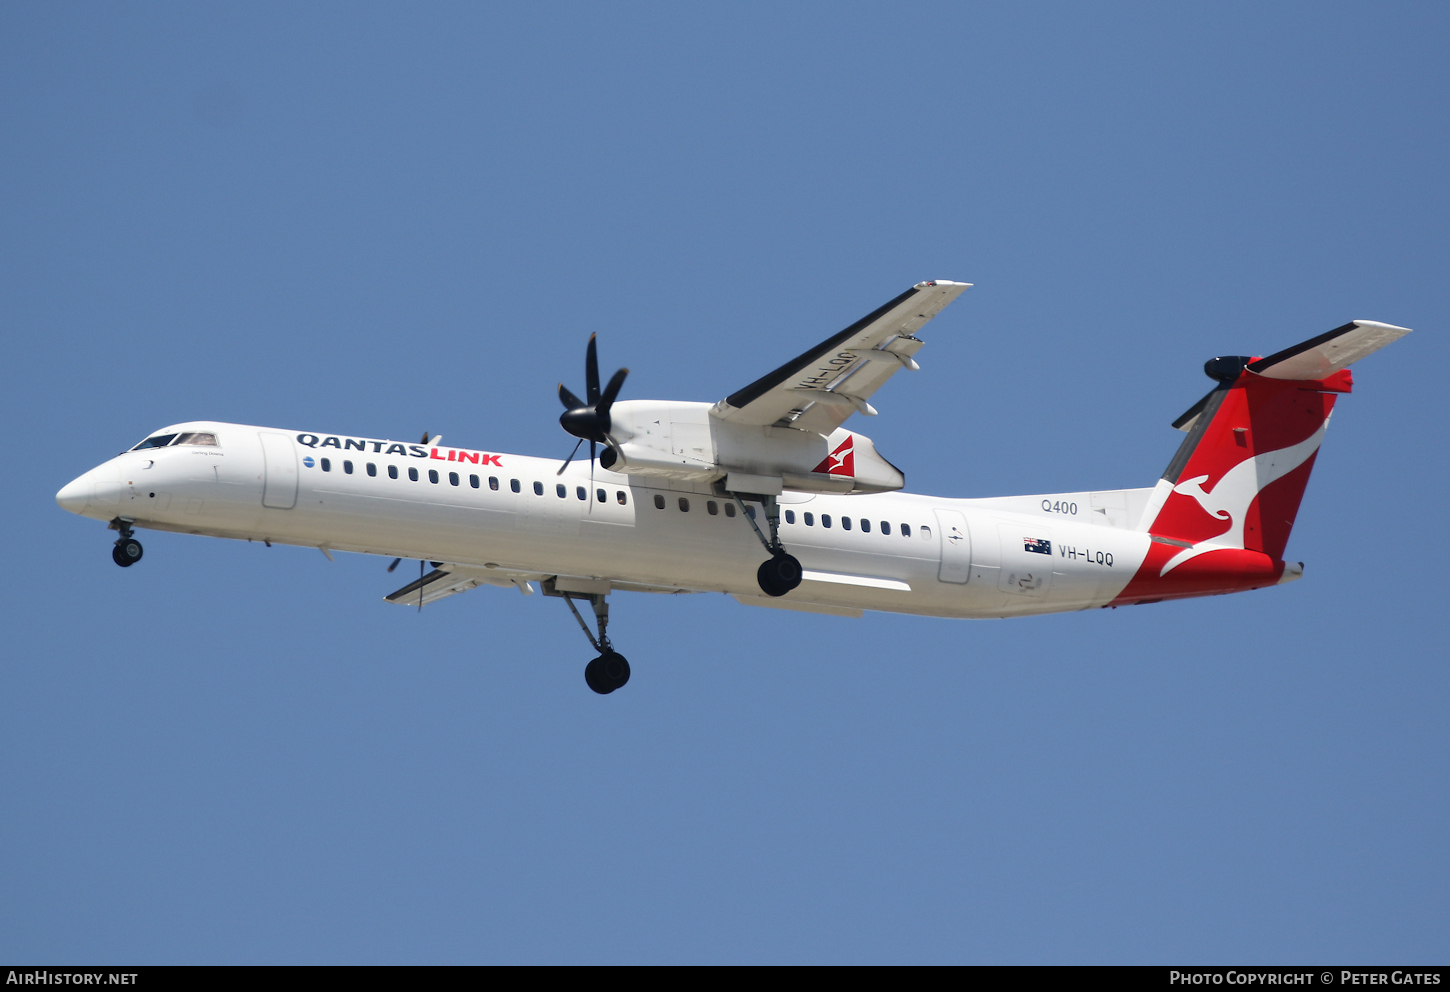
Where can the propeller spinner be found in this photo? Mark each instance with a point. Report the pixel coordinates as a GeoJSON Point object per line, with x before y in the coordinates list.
{"type": "Point", "coordinates": [589, 420]}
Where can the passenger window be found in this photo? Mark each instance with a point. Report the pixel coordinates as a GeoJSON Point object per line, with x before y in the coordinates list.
{"type": "Point", "coordinates": [580, 492]}
{"type": "Point", "coordinates": [560, 491]}
{"type": "Point", "coordinates": [372, 470]}
{"type": "Point", "coordinates": [493, 483]}
{"type": "Point", "coordinates": [684, 505]}
{"type": "Point", "coordinates": [885, 528]}
{"type": "Point", "coordinates": [906, 530]}
{"type": "Point", "coordinates": [659, 502]}
{"type": "Point", "coordinates": [392, 471]}
{"type": "Point", "coordinates": [433, 476]}
{"type": "Point", "coordinates": [347, 467]}
{"type": "Point", "coordinates": [925, 531]}
{"type": "Point", "coordinates": [729, 509]}
{"type": "Point", "coordinates": [825, 520]}
{"type": "Point", "coordinates": [620, 498]}
{"type": "Point", "coordinates": [602, 496]}
{"type": "Point", "coordinates": [206, 440]}
{"type": "Point", "coordinates": [473, 481]}
{"type": "Point", "coordinates": [412, 475]}
{"type": "Point", "coordinates": [514, 484]}
{"type": "Point", "coordinates": [810, 518]}
{"type": "Point", "coordinates": [327, 464]}
{"type": "Point", "coordinates": [538, 489]}
{"type": "Point", "coordinates": [712, 507]}
{"type": "Point", "coordinates": [845, 523]}
{"type": "Point", "coordinates": [790, 516]}
{"type": "Point", "coordinates": [159, 441]}
{"type": "Point", "coordinates": [453, 478]}
{"type": "Point", "coordinates": [865, 526]}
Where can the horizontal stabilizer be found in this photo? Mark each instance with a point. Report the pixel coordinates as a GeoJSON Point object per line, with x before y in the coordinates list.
{"type": "Point", "coordinates": [1321, 357]}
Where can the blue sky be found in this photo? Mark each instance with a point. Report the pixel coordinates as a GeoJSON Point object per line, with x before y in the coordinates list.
{"type": "Point", "coordinates": [381, 220]}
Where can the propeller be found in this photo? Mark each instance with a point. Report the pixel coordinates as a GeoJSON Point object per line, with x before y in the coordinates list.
{"type": "Point", "coordinates": [589, 420]}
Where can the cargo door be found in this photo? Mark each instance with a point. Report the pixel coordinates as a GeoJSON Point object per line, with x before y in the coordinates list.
{"type": "Point", "coordinates": [279, 487]}
{"type": "Point", "coordinates": [956, 547]}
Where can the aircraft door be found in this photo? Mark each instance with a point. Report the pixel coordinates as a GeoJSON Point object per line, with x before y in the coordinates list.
{"type": "Point", "coordinates": [956, 547]}
{"type": "Point", "coordinates": [279, 490]}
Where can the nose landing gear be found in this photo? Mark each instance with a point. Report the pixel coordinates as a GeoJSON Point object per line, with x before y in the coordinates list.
{"type": "Point", "coordinates": [127, 551]}
{"type": "Point", "coordinates": [610, 670]}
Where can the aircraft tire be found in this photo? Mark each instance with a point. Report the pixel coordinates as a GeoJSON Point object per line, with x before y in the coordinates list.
{"type": "Point", "coordinates": [606, 673]}
{"type": "Point", "coordinates": [127, 552]}
{"type": "Point", "coordinates": [779, 574]}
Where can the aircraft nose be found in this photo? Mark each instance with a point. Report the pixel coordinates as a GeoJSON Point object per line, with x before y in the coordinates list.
{"type": "Point", "coordinates": [76, 494]}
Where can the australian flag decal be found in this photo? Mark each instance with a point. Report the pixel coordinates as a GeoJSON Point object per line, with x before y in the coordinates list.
{"type": "Point", "coordinates": [1037, 546]}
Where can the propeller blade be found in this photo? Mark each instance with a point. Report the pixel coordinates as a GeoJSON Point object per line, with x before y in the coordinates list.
{"type": "Point", "coordinates": [571, 456]}
{"type": "Point", "coordinates": [591, 471]}
{"type": "Point", "coordinates": [396, 562]}
{"type": "Point", "coordinates": [611, 391]}
{"type": "Point", "coordinates": [591, 372]}
{"type": "Point", "coordinates": [425, 438]}
{"type": "Point", "coordinates": [570, 401]}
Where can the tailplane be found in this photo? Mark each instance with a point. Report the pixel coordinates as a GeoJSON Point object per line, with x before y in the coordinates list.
{"type": "Point", "coordinates": [1235, 485]}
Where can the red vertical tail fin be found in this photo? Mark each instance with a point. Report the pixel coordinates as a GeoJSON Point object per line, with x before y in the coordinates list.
{"type": "Point", "coordinates": [1236, 483]}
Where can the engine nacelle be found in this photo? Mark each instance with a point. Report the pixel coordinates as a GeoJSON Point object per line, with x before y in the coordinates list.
{"type": "Point", "coordinates": [685, 441]}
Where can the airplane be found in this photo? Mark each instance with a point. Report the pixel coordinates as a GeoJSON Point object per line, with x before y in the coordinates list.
{"type": "Point", "coordinates": [763, 496]}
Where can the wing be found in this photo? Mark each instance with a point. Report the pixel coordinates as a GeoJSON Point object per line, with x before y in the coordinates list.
{"type": "Point", "coordinates": [449, 580]}
{"type": "Point", "coordinates": [818, 390]}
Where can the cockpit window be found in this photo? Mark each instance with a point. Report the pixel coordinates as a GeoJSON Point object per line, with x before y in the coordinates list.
{"type": "Point", "coordinates": [209, 440]}
{"type": "Point", "coordinates": [159, 441]}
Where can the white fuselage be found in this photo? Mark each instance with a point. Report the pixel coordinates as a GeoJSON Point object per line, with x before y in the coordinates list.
{"type": "Point", "coordinates": [962, 558]}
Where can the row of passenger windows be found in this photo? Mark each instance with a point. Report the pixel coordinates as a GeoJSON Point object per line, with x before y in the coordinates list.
{"type": "Point", "coordinates": [561, 490]}
{"type": "Point", "coordinates": [711, 507]}
{"type": "Point", "coordinates": [808, 518]}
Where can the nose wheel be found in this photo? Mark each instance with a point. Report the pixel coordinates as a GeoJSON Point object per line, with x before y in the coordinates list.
{"type": "Point", "coordinates": [127, 551]}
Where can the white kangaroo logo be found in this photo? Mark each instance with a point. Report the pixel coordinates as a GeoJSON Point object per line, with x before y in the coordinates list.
{"type": "Point", "coordinates": [1230, 498]}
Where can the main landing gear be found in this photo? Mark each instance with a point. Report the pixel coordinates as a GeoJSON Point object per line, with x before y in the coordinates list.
{"type": "Point", "coordinates": [610, 670]}
{"type": "Point", "coordinates": [127, 551]}
{"type": "Point", "coordinates": [780, 573]}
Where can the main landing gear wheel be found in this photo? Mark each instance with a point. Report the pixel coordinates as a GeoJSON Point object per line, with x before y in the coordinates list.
{"type": "Point", "coordinates": [779, 575]}
{"type": "Point", "coordinates": [610, 670]}
{"type": "Point", "coordinates": [607, 672]}
{"type": "Point", "coordinates": [127, 552]}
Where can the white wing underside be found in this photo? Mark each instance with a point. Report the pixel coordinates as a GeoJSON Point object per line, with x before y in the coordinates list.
{"type": "Point", "coordinates": [448, 579]}
{"type": "Point", "coordinates": [818, 390]}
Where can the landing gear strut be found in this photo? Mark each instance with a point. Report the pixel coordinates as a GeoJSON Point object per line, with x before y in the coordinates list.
{"type": "Point", "coordinates": [127, 551]}
{"type": "Point", "coordinates": [610, 670]}
{"type": "Point", "coordinates": [781, 572]}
